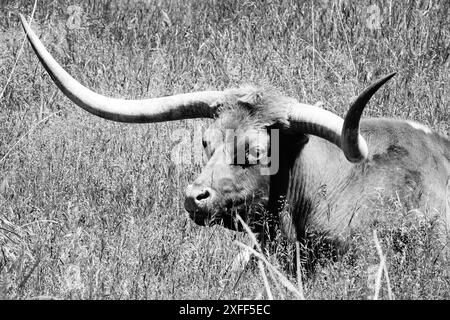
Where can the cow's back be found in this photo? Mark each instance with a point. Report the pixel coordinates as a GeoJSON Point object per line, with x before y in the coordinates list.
{"type": "Point", "coordinates": [406, 163]}
{"type": "Point", "coordinates": [410, 159]}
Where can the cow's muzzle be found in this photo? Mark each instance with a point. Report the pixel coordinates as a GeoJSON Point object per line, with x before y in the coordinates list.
{"type": "Point", "coordinates": [198, 202]}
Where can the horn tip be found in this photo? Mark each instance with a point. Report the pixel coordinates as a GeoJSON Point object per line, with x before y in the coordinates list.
{"type": "Point", "coordinates": [353, 155]}
{"type": "Point", "coordinates": [388, 77]}
{"type": "Point", "coordinates": [23, 21]}
{"type": "Point", "coordinates": [22, 18]}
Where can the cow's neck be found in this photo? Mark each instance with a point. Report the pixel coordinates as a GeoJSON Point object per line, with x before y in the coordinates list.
{"type": "Point", "coordinates": [301, 193]}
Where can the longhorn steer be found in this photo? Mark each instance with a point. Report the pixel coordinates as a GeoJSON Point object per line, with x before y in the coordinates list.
{"type": "Point", "coordinates": [327, 175]}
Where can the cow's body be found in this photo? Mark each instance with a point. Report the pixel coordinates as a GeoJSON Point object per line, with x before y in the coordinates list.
{"type": "Point", "coordinates": [329, 196]}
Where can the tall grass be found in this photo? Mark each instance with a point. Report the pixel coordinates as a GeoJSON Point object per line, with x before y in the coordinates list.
{"type": "Point", "coordinates": [93, 209]}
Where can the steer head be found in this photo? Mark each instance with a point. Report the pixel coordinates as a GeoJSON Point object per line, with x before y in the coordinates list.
{"type": "Point", "coordinates": [242, 150]}
{"type": "Point", "coordinates": [242, 144]}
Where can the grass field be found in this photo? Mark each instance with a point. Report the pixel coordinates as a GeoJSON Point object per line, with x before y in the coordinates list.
{"type": "Point", "coordinates": [91, 209]}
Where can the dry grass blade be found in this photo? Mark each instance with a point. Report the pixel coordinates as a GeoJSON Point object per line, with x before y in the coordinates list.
{"type": "Point", "coordinates": [18, 54]}
{"type": "Point", "coordinates": [249, 232]}
{"type": "Point", "coordinates": [285, 281]}
{"type": "Point", "coordinates": [277, 285]}
{"type": "Point", "coordinates": [299, 268]}
{"type": "Point", "coordinates": [260, 265]}
{"type": "Point", "coordinates": [378, 279]}
{"type": "Point", "coordinates": [265, 280]}
{"type": "Point", "coordinates": [381, 268]}
{"type": "Point", "coordinates": [447, 205]}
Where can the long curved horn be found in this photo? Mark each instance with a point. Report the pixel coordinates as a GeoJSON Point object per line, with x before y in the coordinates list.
{"type": "Point", "coordinates": [325, 124]}
{"type": "Point", "coordinates": [350, 142]}
{"type": "Point", "coordinates": [181, 106]}
{"type": "Point", "coordinates": [319, 122]}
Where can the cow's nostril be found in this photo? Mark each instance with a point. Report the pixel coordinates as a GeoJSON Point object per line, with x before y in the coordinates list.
{"type": "Point", "coordinates": [202, 195]}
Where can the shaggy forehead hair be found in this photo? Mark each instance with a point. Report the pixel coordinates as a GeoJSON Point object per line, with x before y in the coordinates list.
{"type": "Point", "coordinates": [251, 106]}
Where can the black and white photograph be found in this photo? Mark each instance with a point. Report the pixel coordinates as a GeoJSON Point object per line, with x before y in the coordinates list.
{"type": "Point", "coordinates": [239, 151]}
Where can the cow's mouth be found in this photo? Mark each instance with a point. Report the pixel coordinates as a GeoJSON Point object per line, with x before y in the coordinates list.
{"type": "Point", "coordinates": [225, 216]}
